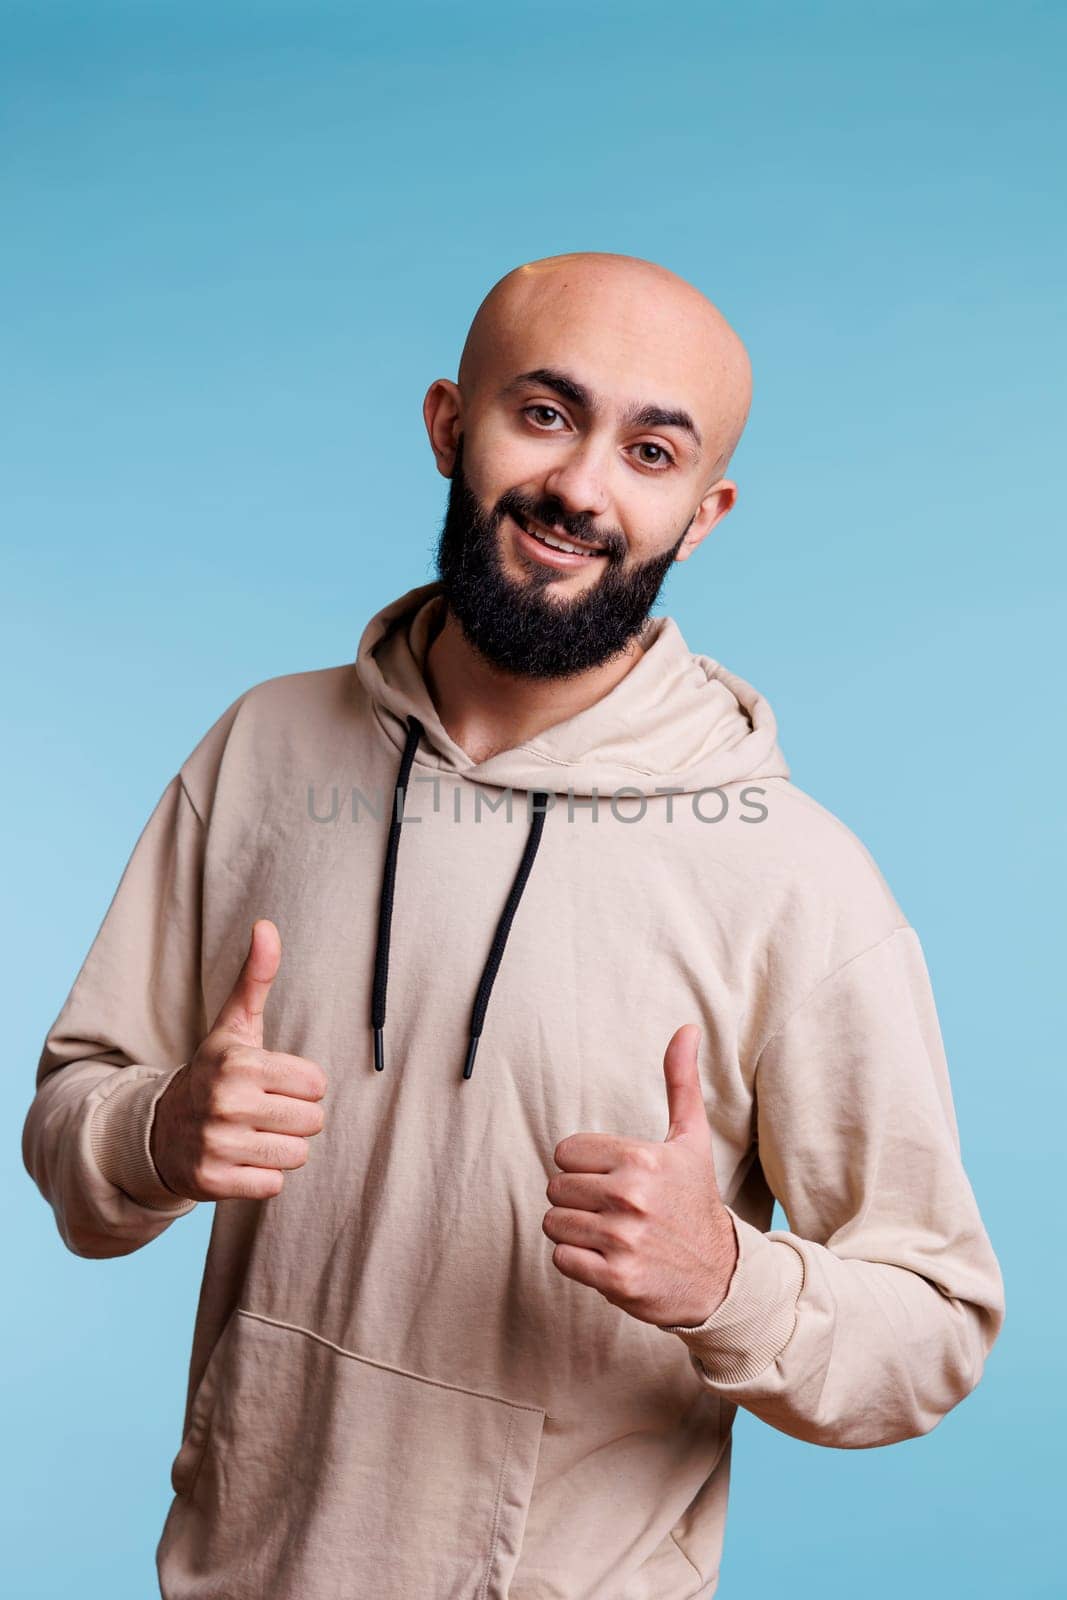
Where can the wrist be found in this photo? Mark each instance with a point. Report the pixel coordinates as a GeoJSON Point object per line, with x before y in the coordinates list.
{"type": "Point", "coordinates": [711, 1297]}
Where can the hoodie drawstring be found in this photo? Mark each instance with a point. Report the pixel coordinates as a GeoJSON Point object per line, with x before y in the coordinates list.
{"type": "Point", "coordinates": [385, 909]}
{"type": "Point", "coordinates": [385, 903]}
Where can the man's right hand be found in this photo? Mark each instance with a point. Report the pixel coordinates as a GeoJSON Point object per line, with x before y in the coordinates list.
{"type": "Point", "coordinates": [237, 1117]}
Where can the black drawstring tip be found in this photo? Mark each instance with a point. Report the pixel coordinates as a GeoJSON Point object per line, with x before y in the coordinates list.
{"type": "Point", "coordinates": [472, 1048]}
{"type": "Point", "coordinates": [379, 1050]}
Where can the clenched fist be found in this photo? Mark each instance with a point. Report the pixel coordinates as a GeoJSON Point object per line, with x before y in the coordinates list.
{"type": "Point", "coordinates": [237, 1117]}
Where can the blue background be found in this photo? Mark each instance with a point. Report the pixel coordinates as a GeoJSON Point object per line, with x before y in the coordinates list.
{"type": "Point", "coordinates": [240, 242]}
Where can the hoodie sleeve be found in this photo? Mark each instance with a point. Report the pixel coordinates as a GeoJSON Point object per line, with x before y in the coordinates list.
{"type": "Point", "coordinates": [133, 1017]}
{"type": "Point", "coordinates": [872, 1315]}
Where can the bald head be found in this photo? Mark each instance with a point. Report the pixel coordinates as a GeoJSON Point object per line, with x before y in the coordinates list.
{"type": "Point", "coordinates": [641, 330]}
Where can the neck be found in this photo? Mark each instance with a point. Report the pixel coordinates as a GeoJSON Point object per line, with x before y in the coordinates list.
{"type": "Point", "coordinates": [485, 711]}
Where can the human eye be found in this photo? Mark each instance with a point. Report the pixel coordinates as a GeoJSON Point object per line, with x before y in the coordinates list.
{"type": "Point", "coordinates": [651, 444]}
{"type": "Point", "coordinates": [542, 407]}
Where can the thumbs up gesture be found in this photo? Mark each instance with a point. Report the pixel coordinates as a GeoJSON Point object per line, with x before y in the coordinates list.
{"type": "Point", "coordinates": [237, 1117]}
{"type": "Point", "coordinates": [644, 1223]}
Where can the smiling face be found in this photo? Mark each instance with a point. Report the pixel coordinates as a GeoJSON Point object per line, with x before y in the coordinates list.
{"type": "Point", "coordinates": [518, 626]}
{"type": "Point", "coordinates": [599, 399]}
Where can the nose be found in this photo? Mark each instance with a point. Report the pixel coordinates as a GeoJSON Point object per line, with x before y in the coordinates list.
{"type": "Point", "coordinates": [578, 483]}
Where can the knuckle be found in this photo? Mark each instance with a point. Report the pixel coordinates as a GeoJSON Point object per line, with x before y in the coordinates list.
{"type": "Point", "coordinates": [207, 1176]}
{"type": "Point", "coordinates": [229, 1054]}
{"type": "Point", "coordinates": [619, 1235]}
{"type": "Point", "coordinates": [262, 1186]}
{"type": "Point", "coordinates": [633, 1197]}
{"type": "Point", "coordinates": [220, 1100]}
{"type": "Point", "coordinates": [260, 1152]}
{"type": "Point", "coordinates": [212, 1141]}
{"type": "Point", "coordinates": [623, 1277]}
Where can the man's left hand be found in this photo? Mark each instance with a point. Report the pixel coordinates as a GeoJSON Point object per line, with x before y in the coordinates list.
{"type": "Point", "coordinates": [644, 1223]}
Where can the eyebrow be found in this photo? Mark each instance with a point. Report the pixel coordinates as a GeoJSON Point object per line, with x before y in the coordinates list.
{"type": "Point", "coordinates": [639, 415]}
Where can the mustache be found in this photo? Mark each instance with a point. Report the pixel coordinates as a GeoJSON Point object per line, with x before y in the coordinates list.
{"type": "Point", "coordinates": [552, 515]}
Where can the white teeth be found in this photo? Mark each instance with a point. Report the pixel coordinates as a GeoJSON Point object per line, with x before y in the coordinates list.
{"type": "Point", "coordinates": [558, 544]}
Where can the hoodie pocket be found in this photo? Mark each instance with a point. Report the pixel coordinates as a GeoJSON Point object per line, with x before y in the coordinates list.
{"type": "Point", "coordinates": [187, 1462]}
{"type": "Point", "coordinates": [312, 1473]}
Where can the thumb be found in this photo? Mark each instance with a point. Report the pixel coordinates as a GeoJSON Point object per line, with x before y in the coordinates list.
{"type": "Point", "coordinates": [685, 1098]}
{"type": "Point", "coordinates": [242, 1011]}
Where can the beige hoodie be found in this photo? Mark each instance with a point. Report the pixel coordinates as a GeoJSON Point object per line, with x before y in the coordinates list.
{"type": "Point", "coordinates": [393, 1393]}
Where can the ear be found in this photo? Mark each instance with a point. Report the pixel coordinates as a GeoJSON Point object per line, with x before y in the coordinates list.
{"type": "Point", "coordinates": [442, 412]}
{"type": "Point", "coordinates": [718, 500]}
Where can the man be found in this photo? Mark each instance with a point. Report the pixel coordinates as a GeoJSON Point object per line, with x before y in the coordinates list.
{"type": "Point", "coordinates": [520, 907]}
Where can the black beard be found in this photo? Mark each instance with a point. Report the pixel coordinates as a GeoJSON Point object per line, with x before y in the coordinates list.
{"type": "Point", "coordinates": [517, 627]}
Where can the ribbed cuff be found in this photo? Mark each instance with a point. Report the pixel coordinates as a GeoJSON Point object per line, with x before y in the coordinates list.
{"type": "Point", "coordinates": [754, 1323]}
{"type": "Point", "coordinates": [119, 1133]}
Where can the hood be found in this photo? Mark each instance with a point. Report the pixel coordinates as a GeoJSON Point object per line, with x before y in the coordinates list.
{"type": "Point", "coordinates": [676, 718]}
